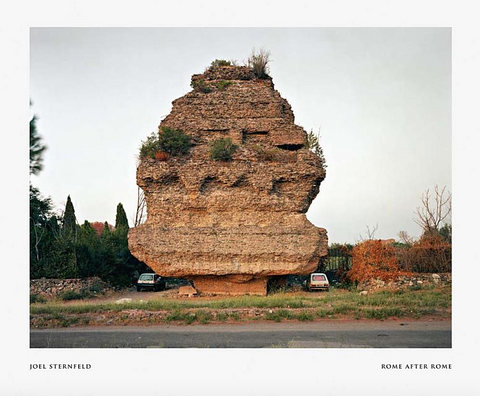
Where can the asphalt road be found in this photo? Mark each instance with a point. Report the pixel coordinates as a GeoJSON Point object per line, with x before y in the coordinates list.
{"type": "Point", "coordinates": [324, 334]}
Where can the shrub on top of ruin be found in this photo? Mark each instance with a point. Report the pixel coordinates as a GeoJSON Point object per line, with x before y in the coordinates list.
{"type": "Point", "coordinates": [174, 142]}
{"type": "Point", "coordinates": [267, 154]}
{"type": "Point", "coordinates": [167, 142]}
{"type": "Point", "coordinates": [258, 62]}
{"type": "Point", "coordinates": [312, 142]}
{"type": "Point", "coordinates": [223, 84]}
{"type": "Point", "coordinates": [201, 86]}
{"type": "Point", "coordinates": [150, 146]}
{"type": "Point", "coordinates": [222, 149]}
{"type": "Point", "coordinates": [220, 63]}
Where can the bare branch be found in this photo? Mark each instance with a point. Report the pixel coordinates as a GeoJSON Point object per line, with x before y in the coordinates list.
{"type": "Point", "coordinates": [431, 214]}
{"type": "Point", "coordinates": [370, 234]}
{"type": "Point", "coordinates": [140, 214]}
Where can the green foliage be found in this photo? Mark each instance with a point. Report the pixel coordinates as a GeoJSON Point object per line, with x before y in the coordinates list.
{"type": "Point", "coordinates": [305, 316]}
{"type": "Point", "coordinates": [150, 146]}
{"type": "Point", "coordinates": [70, 251]}
{"type": "Point", "coordinates": [56, 254]}
{"type": "Point", "coordinates": [269, 154]}
{"type": "Point", "coordinates": [121, 218]}
{"type": "Point", "coordinates": [170, 141]}
{"type": "Point", "coordinates": [220, 63]}
{"type": "Point", "coordinates": [71, 295]}
{"type": "Point", "coordinates": [446, 232]}
{"type": "Point", "coordinates": [223, 84]}
{"type": "Point", "coordinates": [174, 142]}
{"type": "Point", "coordinates": [312, 143]}
{"type": "Point", "coordinates": [36, 148]}
{"type": "Point", "coordinates": [201, 86]}
{"type": "Point", "coordinates": [222, 149]}
{"type": "Point", "coordinates": [37, 298]}
{"type": "Point", "coordinates": [44, 229]}
{"type": "Point", "coordinates": [258, 62]}
{"type": "Point", "coordinates": [279, 315]}
{"type": "Point", "coordinates": [69, 223]}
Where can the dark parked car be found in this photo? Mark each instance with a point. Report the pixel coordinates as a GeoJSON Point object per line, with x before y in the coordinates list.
{"type": "Point", "coordinates": [151, 281]}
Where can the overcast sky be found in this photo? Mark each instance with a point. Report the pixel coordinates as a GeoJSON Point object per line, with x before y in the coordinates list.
{"type": "Point", "coordinates": [382, 97]}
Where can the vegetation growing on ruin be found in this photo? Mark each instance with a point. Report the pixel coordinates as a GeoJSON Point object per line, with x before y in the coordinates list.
{"type": "Point", "coordinates": [258, 62]}
{"type": "Point", "coordinates": [223, 84]}
{"type": "Point", "coordinates": [312, 142]}
{"type": "Point", "coordinates": [201, 86]}
{"type": "Point", "coordinates": [221, 63]}
{"type": "Point", "coordinates": [222, 149]}
{"type": "Point", "coordinates": [150, 146]}
{"type": "Point", "coordinates": [167, 141]}
{"type": "Point", "coordinates": [174, 142]}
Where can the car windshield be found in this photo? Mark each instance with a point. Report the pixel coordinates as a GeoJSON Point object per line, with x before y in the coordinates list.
{"type": "Point", "coordinates": [318, 277]}
{"type": "Point", "coordinates": [146, 277]}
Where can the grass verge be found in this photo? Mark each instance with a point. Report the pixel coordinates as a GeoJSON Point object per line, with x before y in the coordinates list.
{"type": "Point", "coordinates": [276, 307]}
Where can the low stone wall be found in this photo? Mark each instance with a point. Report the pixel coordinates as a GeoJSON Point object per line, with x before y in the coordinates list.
{"type": "Point", "coordinates": [55, 287]}
{"type": "Point", "coordinates": [418, 280]}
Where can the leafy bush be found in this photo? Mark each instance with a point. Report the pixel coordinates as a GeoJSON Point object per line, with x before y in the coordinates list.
{"type": "Point", "coordinates": [97, 286]}
{"type": "Point", "coordinates": [258, 62]}
{"type": "Point", "coordinates": [36, 298]}
{"type": "Point", "coordinates": [431, 253]}
{"type": "Point", "coordinates": [174, 142]}
{"type": "Point", "coordinates": [305, 316]}
{"type": "Point", "coordinates": [371, 260]}
{"type": "Point", "coordinates": [267, 154]}
{"type": "Point", "coordinates": [201, 86]}
{"type": "Point", "coordinates": [150, 146]}
{"type": "Point", "coordinates": [223, 84]}
{"type": "Point", "coordinates": [312, 142]}
{"type": "Point", "coordinates": [167, 142]}
{"type": "Point", "coordinates": [71, 295]}
{"type": "Point", "coordinates": [222, 149]}
{"type": "Point", "coordinates": [220, 63]}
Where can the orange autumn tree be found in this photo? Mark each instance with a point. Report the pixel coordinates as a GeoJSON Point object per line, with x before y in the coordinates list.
{"type": "Point", "coordinates": [374, 259]}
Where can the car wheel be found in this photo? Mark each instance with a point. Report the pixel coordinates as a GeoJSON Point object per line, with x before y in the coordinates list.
{"type": "Point", "coordinates": [138, 288]}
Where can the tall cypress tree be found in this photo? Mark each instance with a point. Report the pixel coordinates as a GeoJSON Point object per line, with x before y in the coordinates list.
{"type": "Point", "coordinates": [69, 219]}
{"type": "Point", "coordinates": [121, 220]}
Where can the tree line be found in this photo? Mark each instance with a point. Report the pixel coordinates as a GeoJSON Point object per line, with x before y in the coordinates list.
{"type": "Point", "coordinates": [61, 248]}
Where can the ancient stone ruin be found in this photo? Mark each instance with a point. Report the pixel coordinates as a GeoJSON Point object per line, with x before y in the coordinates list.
{"type": "Point", "coordinates": [230, 226]}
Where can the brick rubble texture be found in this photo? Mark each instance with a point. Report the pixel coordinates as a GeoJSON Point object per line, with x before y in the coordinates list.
{"type": "Point", "coordinates": [230, 226]}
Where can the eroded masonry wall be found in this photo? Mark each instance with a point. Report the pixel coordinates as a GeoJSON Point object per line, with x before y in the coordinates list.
{"type": "Point", "coordinates": [230, 225]}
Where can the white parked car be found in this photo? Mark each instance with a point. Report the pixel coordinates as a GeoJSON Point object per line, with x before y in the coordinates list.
{"type": "Point", "coordinates": [317, 281]}
{"type": "Point", "coordinates": [151, 281]}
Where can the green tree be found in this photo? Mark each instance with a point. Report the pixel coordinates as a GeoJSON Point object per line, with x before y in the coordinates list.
{"type": "Point", "coordinates": [69, 219]}
{"type": "Point", "coordinates": [121, 220]}
{"type": "Point", "coordinates": [312, 142]}
{"type": "Point", "coordinates": [446, 232]}
{"type": "Point", "coordinates": [87, 250]}
{"type": "Point", "coordinates": [40, 235]}
{"type": "Point", "coordinates": [43, 224]}
{"type": "Point", "coordinates": [36, 148]}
